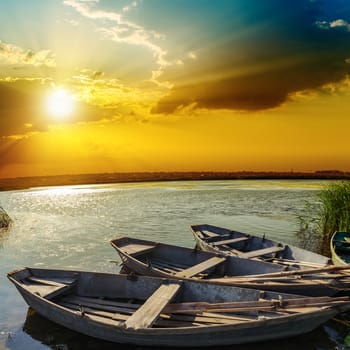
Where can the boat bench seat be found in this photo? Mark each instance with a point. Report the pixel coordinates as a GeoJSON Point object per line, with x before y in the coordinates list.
{"type": "Point", "coordinates": [261, 252]}
{"type": "Point", "coordinates": [148, 313]}
{"type": "Point", "coordinates": [137, 249]}
{"type": "Point", "coordinates": [210, 234]}
{"type": "Point", "coordinates": [204, 265]}
{"type": "Point", "coordinates": [46, 288]}
{"type": "Point", "coordinates": [229, 241]}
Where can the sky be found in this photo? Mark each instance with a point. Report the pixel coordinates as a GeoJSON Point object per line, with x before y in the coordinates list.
{"type": "Point", "coordinates": [96, 86]}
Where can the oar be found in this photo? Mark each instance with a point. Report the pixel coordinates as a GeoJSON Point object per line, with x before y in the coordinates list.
{"type": "Point", "coordinates": [295, 262]}
{"type": "Point", "coordinates": [302, 272]}
{"type": "Point", "coordinates": [241, 306]}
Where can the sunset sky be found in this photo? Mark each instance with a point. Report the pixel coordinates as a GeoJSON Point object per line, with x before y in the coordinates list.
{"type": "Point", "coordinates": [91, 86]}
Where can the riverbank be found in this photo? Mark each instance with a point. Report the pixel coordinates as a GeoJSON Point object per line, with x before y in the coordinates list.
{"type": "Point", "coordinates": [19, 183]}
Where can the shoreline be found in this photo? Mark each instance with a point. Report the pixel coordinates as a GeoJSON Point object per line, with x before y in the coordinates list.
{"type": "Point", "coordinates": [20, 183]}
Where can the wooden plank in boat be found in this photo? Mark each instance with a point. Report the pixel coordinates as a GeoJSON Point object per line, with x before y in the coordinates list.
{"type": "Point", "coordinates": [114, 316]}
{"type": "Point", "coordinates": [49, 291]}
{"type": "Point", "coordinates": [210, 234]}
{"type": "Point", "coordinates": [93, 305]}
{"type": "Point", "coordinates": [88, 310]}
{"type": "Point", "coordinates": [171, 269]}
{"type": "Point", "coordinates": [170, 264]}
{"type": "Point", "coordinates": [251, 306]}
{"type": "Point", "coordinates": [239, 317]}
{"type": "Point", "coordinates": [148, 313]}
{"type": "Point", "coordinates": [135, 249]}
{"type": "Point", "coordinates": [81, 300]}
{"type": "Point", "coordinates": [200, 234]}
{"type": "Point", "coordinates": [261, 252]}
{"type": "Point", "coordinates": [296, 262]}
{"type": "Point", "coordinates": [229, 241]}
{"type": "Point", "coordinates": [163, 269]}
{"type": "Point", "coordinates": [208, 318]}
{"type": "Point", "coordinates": [303, 309]}
{"type": "Point", "coordinates": [229, 249]}
{"type": "Point", "coordinates": [220, 309]}
{"type": "Point", "coordinates": [204, 265]}
{"type": "Point", "coordinates": [45, 281]}
{"type": "Point", "coordinates": [52, 281]}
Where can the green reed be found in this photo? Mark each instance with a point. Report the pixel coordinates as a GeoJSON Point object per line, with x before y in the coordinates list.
{"type": "Point", "coordinates": [309, 234]}
{"type": "Point", "coordinates": [328, 212]}
{"type": "Point", "coordinates": [335, 209]}
{"type": "Point", "coordinates": [5, 220]}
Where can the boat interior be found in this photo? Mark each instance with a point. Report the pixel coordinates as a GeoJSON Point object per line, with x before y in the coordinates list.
{"type": "Point", "coordinates": [187, 262]}
{"type": "Point", "coordinates": [145, 302]}
{"type": "Point", "coordinates": [253, 247]}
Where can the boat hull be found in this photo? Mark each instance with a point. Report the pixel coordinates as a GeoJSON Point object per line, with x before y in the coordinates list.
{"type": "Point", "coordinates": [235, 271]}
{"type": "Point", "coordinates": [97, 327]}
{"type": "Point", "coordinates": [183, 338]}
{"type": "Point", "coordinates": [291, 253]}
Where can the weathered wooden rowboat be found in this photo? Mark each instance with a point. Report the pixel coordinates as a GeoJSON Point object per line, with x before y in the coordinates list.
{"type": "Point", "coordinates": [155, 311]}
{"type": "Point", "coordinates": [340, 248]}
{"type": "Point", "coordinates": [230, 242]}
{"type": "Point", "coordinates": [149, 258]}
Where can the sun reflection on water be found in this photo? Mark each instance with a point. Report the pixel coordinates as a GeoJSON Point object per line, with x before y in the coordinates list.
{"type": "Point", "coordinates": [64, 190]}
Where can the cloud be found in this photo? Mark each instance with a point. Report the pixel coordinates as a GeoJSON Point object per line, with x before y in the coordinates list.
{"type": "Point", "coordinates": [278, 49]}
{"type": "Point", "coordinates": [131, 6]}
{"type": "Point", "coordinates": [113, 95]}
{"type": "Point", "coordinates": [192, 55]}
{"type": "Point", "coordinates": [338, 23]}
{"type": "Point", "coordinates": [19, 101]}
{"type": "Point", "coordinates": [22, 107]}
{"type": "Point", "coordinates": [14, 55]}
{"type": "Point", "coordinates": [121, 30]}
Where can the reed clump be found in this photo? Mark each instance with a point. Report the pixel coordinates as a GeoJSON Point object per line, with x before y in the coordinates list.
{"type": "Point", "coordinates": [5, 220]}
{"type": "Point", "coordinates": [329, 211]}
{"type": "Point", "coordinates": [309, 234]}
{"type": "Point", "coordinates": [334, 214]}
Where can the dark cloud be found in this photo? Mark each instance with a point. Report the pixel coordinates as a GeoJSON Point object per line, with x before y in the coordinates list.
{"type": "Point", "coordinates": [22, 108]}
{"type": "Point", "coordinates": [279, 49]}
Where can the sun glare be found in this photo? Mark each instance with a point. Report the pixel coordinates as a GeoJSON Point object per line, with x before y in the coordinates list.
{"type": "Point", "coordinates": [60, 104]}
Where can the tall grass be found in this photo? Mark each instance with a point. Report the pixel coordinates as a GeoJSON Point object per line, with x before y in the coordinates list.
{"type": "Point", "coordinates": [309, 229]}
{"type": "Point", "coordinates": [335, 210]}
{"type": "Point", "coordinates": [328, 212]}
{"type": "Point", "coordinates": [5, 220]}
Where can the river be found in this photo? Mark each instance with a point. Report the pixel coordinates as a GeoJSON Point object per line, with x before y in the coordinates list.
{"type": "Point", "coordinates": [70, 227]}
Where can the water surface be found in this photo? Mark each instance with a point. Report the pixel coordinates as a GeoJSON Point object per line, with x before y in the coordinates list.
{"type": "Point", "coordinates": [71, 226]}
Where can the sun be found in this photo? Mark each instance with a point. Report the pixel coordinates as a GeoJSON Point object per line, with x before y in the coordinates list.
{"type": "Point", "coordinates": [60, 104]}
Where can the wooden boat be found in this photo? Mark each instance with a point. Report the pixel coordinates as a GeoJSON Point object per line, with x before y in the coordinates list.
{"type": "Point", "coordinates": [340, 248]}
{"type": "Point", "coordinates": [230, 242]}
{"type": "Point", "coordinates": [149, 258]}
{"type": "Point", "coordinates": [150, 311]}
